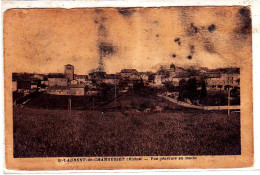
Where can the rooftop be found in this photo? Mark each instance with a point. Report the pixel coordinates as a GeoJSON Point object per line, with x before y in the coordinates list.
{"type": "Point", "coordinates": [128, 70]}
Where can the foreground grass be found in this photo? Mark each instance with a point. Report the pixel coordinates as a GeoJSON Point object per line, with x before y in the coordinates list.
{"type": "Point", "coordinates": [57, 133]}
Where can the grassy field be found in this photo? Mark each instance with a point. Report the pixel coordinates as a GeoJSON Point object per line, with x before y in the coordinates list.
{"type": "Point", "coordinates": [57, 133]}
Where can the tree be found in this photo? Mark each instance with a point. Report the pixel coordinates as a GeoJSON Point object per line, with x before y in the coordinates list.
{"type": "Point", "coordinates": [138, 86]}
{"type": "Point", "coordinates": [203, 91]}
{"type": "Point", "coordinates": [182, 89]}
{"type": "Point", "coordinates": [170, 87]}
{"type": "Point", "coordinates": [151, 78]}
{"type": "Point", "coordinates": [192, 89]}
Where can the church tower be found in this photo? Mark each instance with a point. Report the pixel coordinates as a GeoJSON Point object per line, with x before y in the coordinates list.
{"type": "Point", "coordinates": [69, 72]}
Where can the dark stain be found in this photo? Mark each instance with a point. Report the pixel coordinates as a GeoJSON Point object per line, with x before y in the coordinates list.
{"type": "Point", "coordinates": [173, 55]}
{"type": "Point", "coordinates": [103, 19]}
{"type": "Point", "coordinates": [211, 28]}
{"type": "Point", "coordinates": [189, 57]}
{"type": "Point", "coordinates": [245, 18]}
{"type": "Point", "coordinates": [178, 40]}
{"type": "Point", "coordinates": [192, 49]}
{"type": "Point", "coordinates": [209, 47]}
{"type": "Point", "coordinates": [106, 49]}
{"type": "Point", "coordinates": [102, 31]}
{"type": "Point", "coordinates": [126, 12]}
{"type": "Point", "coordinates": [192, 30]}
{"type": "Point", "coordinates": [157, 35]}
{"type": "Point", "coordinates": [96, 22]}
{"type": "Point", "coordinates": [98, 10]}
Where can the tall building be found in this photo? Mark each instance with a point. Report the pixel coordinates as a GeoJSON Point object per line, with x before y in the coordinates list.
{"type": "Point", "coordinates": [69, 72]}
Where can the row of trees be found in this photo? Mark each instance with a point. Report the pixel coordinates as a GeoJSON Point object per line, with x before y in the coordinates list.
{"type": "Point", "coordinates": [189, 89]}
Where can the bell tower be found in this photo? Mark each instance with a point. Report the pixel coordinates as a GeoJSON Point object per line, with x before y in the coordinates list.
{"type": "Point", "coordinates": [69, 72]}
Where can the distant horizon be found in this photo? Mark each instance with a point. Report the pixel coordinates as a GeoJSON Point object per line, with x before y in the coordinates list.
{"type": "Point", "coordinates": [198, 68]}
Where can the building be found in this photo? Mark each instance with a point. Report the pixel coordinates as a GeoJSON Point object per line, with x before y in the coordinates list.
{"type": "Point", "coordinates": [78, 90]}
{"type": "Point", "coordinates": [23, 86]}
{"type": "Point", "coordinates": [144, 76]}
{"type": "Point", "coordinates": [69, 72]}
{"type": "Point", "coordinates": [127, 73]}
{"type": "Point", "coordinates": [89, 83]}
{"type": "Point", "coordinates": [58, 82]}
{"type": "Point", "coordinates": [111, 79]}
{"type": "Point", "coordinates": [81, 79]}
{"type": "Point", "coordinates": [45, 82]}
{"type": "Point", "coordinates": [58, 90]}
{"type": "Point", "coordinates": [73, 82]}
{"type": "Point", "coordinates": [38, 76]}
{"type": "Point", "coordinates": [75, 90]}
{"type": "Point", "coordinates": [34, 86]}
{"type": "Point", "coordinates": [214, 80]}
{"type": "Point", "coordinates": [223, 78]}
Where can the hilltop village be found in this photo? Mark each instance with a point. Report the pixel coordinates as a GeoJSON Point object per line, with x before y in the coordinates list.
{"type": "Point", "coordinates": [73, 84]}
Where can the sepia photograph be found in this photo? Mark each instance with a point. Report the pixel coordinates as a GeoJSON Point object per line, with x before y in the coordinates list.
{"type": "Point", "coordinates": [128, 84]}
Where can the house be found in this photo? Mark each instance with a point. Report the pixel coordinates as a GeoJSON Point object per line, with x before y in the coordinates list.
{"type": "Point", "coordinates": [76, 90]}
{"type": "Point", "coordinates": [81, 79]}
{"type": "Point", "coordinates": [135, 76]}
{"type": "Point", "coordinates": [126, 73]}
{"type": "Point", "coordinates": [89, 83]}
{"type": "Point", "coordinates": [58, 90]}
{"type": "Point", "coordinates": [213, 80]}
{"type": "Point", "coordinates": [73, 82]}
{"type": "Point", "coordinates": [111, 79]}
{"type": "Point", "coordinates": [223, 78]}
{"type": "Point", "coordinates": [161, 77]}
{"type": "Point", "coordinates": [45, 82]}
{"type": "Point", "coordinates": [230, 79]}
{"type": "Point", "coordinates": [38, 76]}
{"type": "Point", "coordinates": [23, 86]}
{"type": "Point", "coordinates": [158, 80]}
{"type": "Point", "coordinates": [176, 80]}
{"type": "Point", "coordinates": [34, 86]}
{"type": "Point", "coordinates": [58, 81]}
{"type": "Point", "coordinates": [145, 76]}
{"type": "Point", "coordinates": [92, 92]}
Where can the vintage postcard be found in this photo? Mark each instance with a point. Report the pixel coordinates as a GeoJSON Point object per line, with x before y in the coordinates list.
{"type": "Point", "coordinates": [128, 88]}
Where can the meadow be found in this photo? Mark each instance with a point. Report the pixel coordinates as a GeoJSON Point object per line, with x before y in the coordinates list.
{"type": "Point", "coordinates": [61, 133]}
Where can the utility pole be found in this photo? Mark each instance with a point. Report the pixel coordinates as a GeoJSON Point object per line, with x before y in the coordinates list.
{"type": "Point", "coordinates": [93, 99]}
{"type": "Point", "coordinates": [69, 104]}
{"type": "Point", "coordinates": [228, 100]}
{"type": "Point", "coordinates": [115, 90]}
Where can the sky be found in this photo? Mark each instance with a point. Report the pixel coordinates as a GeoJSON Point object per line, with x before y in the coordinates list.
{"type": "Point", "coordinates": [110, 39]}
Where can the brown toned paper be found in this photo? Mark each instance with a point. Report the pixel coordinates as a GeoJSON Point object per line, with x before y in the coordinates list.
{"type": "Point", "coordinates": [128, 88]}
